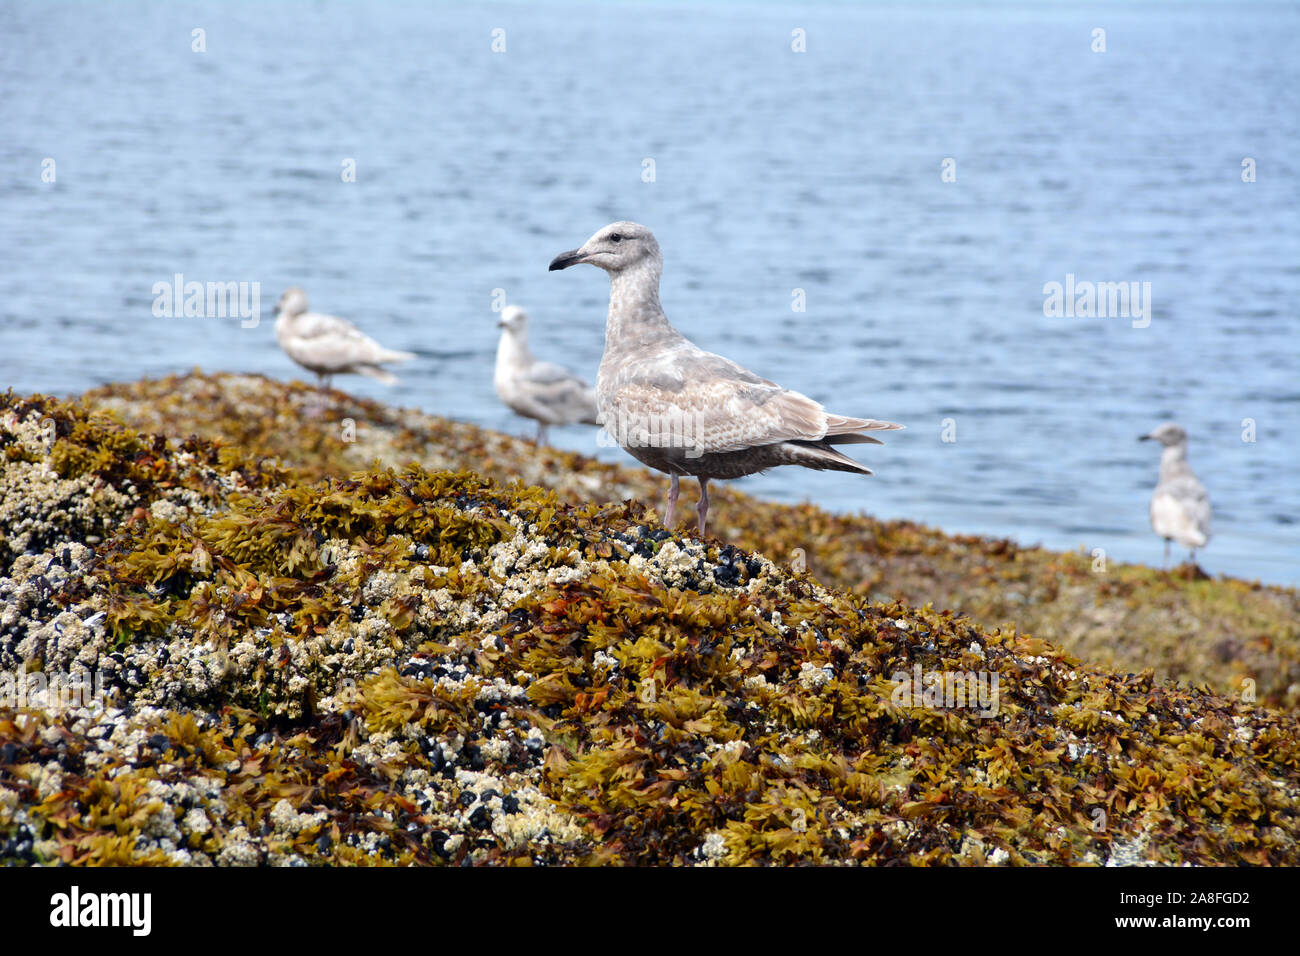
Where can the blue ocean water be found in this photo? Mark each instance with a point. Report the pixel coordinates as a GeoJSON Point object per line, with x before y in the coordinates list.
{"type": "Point", "coordinates": [773, 171]}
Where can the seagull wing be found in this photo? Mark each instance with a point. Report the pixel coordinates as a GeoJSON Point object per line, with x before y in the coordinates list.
{"type": "Point", "coordinates": [1180, 509]}
{"type": "Point", "coordinates": [548, 373]}
{"type": "Point", "coordinates": [555, 394]}
{"type": "Point", "coordinates": [692, 398]}
{"type": "Point", "coordinates": [331, 342]}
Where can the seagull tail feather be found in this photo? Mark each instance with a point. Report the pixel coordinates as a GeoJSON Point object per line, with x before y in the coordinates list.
{"type": "Point", "coordinates": [821, 456]}
{"type": "Point", "coordinates": [843, 425]}
{"type": "Point", "coordinates": [374, 371]}
{"type": "Point", "coordinates": [852, 438]}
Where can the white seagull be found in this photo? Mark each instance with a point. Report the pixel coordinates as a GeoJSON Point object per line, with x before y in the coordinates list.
{"type": "Point", "coordinates": [685, 411]}
{"type": "Point", "coordinates": [328, 345]}
{"type": "Point", "coordinates": [542, 391]}
{"type": "Point", "coordinates": [1180, 505]}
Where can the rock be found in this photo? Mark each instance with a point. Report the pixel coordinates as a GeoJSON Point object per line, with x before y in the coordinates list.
{"type": "Point", "coordinates": [683, 703]}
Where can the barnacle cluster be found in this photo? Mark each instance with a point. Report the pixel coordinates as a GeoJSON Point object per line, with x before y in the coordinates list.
{"type": "Point", "coordinates": [1233, 636]}
{"type": "Point", "coordinates": [298, 658]}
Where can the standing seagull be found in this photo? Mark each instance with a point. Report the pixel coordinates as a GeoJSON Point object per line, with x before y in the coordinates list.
{"type": "Point", "coordinates": [685, 411]}
{"type": "Point", "coordinates": [328, 345]}
{"type": "Point", "coordinates": [1180, 506]}
{"type": "Point", "coordinates": [542, 391]}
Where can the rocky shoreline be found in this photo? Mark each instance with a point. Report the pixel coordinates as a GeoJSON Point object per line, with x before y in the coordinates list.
{"type": "Point", "coordinates": [314, 642]}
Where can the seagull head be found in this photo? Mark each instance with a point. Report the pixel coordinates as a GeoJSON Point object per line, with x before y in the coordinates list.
{"type": "Point", "coordinates": [619, 246]}
{"type": "Point", "coordinates": [513, 319]}
{"type": "Point", "coordinates": [292, 302]}
{"type": "Point", "coordinates": [1168, 434]}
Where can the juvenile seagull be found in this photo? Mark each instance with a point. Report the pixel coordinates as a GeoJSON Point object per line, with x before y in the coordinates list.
{"type": "Point", "coordinates": [328, 345]}
{"type": "Point", "coordinates": [1180, 506]}
{"type": "Point", "coordinates": [685, 411]}
{"type": "Point", "coordinates": [542, 391]}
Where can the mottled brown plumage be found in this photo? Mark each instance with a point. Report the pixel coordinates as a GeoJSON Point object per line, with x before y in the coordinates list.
{"type": "Point", "coordinates": [685, 411]}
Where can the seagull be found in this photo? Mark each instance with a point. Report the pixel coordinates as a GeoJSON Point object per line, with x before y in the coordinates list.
{"type": "Point", "coordinates": [542, 391]}
{"type": "Point", "coordinates": [684, 411]}
{"type": "Point", "coordinates": [328, 345]}
{"type": "Point", "coordinates": [1180, 505]}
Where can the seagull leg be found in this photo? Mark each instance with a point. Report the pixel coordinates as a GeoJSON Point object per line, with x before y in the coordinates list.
{"type": "Point", "coordinates": [702, 509]}
{"type": "Point", "coordinates": [541, 433]}
{"type": "Point", "coordinates": [1166, 554]}
{"type": "Point", "coordinates": [673, 488]}
{"type": "Point", "coordinates": [316, 407]}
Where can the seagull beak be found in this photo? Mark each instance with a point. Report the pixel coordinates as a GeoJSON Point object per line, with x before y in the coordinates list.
{"type": "Point", "coordinates": [566, 259]}
{"type": "Point", "coordinates": [1144, 438]}
{"type": "Point", "coordinates": [276, 310]}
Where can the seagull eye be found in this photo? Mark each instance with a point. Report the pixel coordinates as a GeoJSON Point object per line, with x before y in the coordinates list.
{"type": "Point", "coordinates": [616, 237]}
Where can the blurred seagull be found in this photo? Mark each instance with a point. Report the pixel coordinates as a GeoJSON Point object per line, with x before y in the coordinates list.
{"type": "Point", "coordinates": [328, 345]}
{"type": "Point", "coordinates": [685, 411]}
{"type": "Point", "coordinates": [542, 391]}
{"type": "Point", "coordinates": [1180, 506]}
